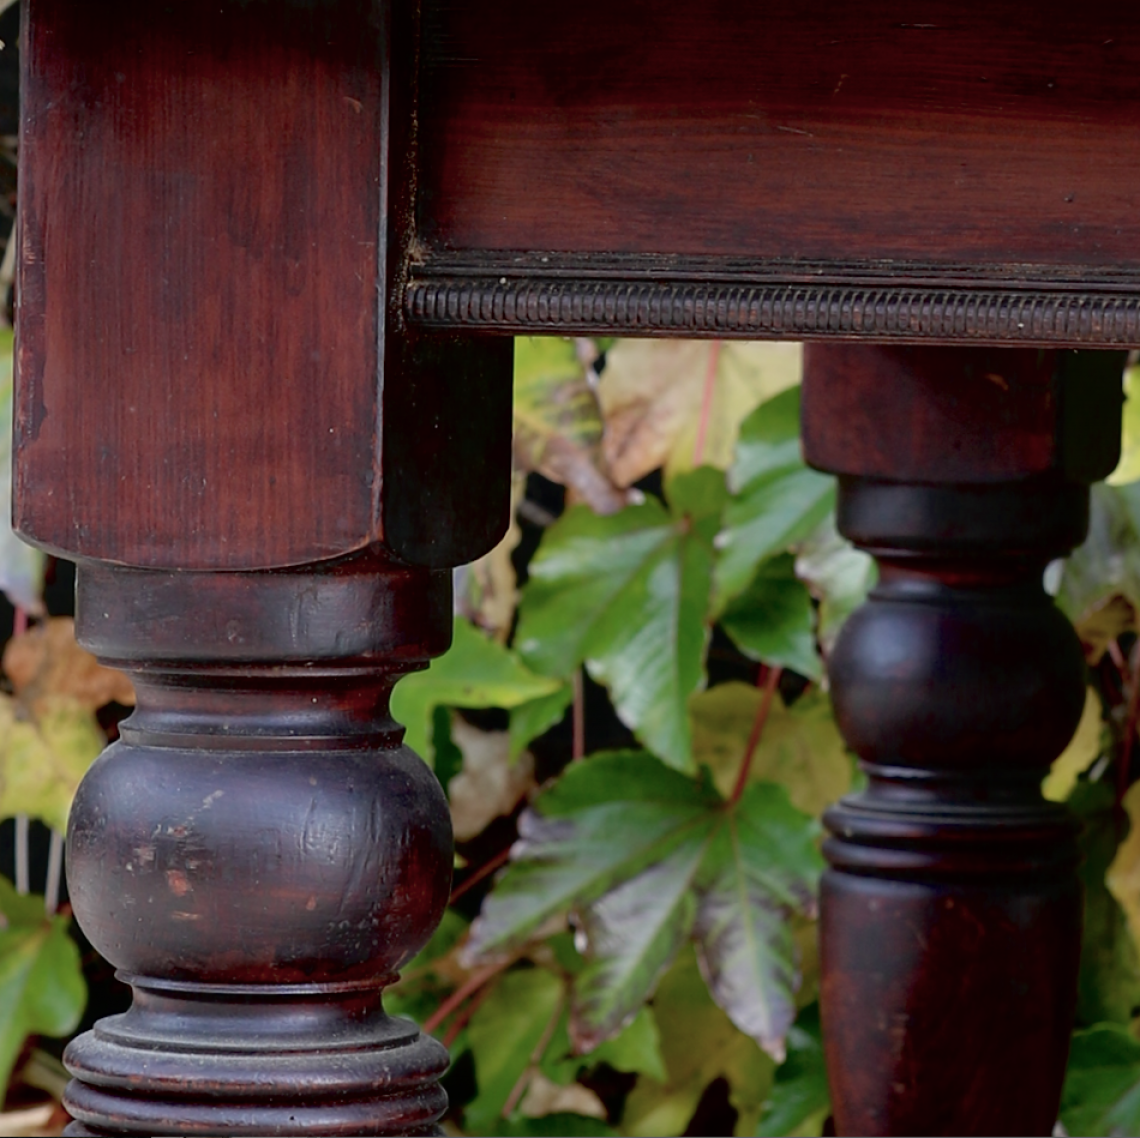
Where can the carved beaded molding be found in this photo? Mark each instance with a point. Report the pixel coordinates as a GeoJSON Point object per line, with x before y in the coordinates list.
{"type": "Point", "coordinates": [558, 306]}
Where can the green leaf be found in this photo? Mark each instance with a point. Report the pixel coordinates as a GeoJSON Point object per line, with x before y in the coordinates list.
{"type": "Point", "coordinates": [801, 748]}
{"type": "Point", "coordinates": [647, 859]}
{"type": "Point", "coordinates": [1109, 978]}
{"type": "Point", "coordinates": [772, 619]}
{"type": "Point", "coordinates": [474, 672]}
{"type": "Point", "coordinates": [777, 501]}
{"type": "Point", "coordinates": [636, 1050]}
{"type": "Point", "coordinates": [627, 595]}
{"type": "Point", "coordinates": [448, 757]}
{"type": "Point", "coordinates": [558, 423]}
{"type": "Point", "coordinates": [42, 759]}
{"type": "Point", "coordinates": [1100, 582]}
{"type": "Point", "coordinates": [837, 574]}
{"type": "Point", "coordinates": [536, 717]}
{"type": "Point", "coordinates": [42, 991]}
{"type": "Point", "coordinates": [699, 1044]}
{"type": "Point", "coordinates": [1102, 1084]}
{"type": "Point", "coordinates": [605, 821]}
{"type": "Point", "coordinates": [762, 866]}
{"type": "Point", "coordinates": [21, 566]}
{"type": "Point", "coordinates": [800, 1100]}
{"type": "Point", "coordinates": [505, 1032]}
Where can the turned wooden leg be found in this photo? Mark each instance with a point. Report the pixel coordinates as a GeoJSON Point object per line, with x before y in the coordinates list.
{"type": "Point", "coordinates": [264, 476]}
{"type": "Point", "coordinates": [951, 912]}
{"type": "Point", "coordinates": [259, 855]}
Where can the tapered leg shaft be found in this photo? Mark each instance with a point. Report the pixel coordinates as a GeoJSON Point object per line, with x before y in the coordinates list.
{"type": "Point", "coordinates": [951, 910]}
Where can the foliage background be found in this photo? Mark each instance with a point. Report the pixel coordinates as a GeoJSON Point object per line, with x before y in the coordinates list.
{"type": "Point", "coordinates": [633, 730]}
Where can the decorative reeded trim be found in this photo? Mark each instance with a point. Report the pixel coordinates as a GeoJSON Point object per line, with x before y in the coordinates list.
{"type": "Point", "coordinates": [536, 304]}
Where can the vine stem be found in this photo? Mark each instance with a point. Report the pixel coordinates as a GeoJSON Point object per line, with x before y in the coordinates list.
{"type": "Point", "coordinates": [500, 859]}
{"type": "Point", "coordinates": [470, 986]}
{"type": "Point", "coordinates": [770, 682]}
{"type": "Point", "coordinates": [524, 1079]}
{"type": "Point", "coordinates": [706, 403]}
{"type": "Point", "coordinates": [464, 1016]}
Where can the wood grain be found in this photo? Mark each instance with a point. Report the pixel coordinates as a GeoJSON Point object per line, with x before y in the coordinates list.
{"type": "Point", "coordinates": [215, 223]}
{"type": "Point", "coordinates": [950, 916]}
{"type": "Point", "coordinates": [983, 135]}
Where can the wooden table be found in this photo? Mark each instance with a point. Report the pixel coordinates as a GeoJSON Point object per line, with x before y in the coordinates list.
{"type": "Point", "coordinates": [272, 253]}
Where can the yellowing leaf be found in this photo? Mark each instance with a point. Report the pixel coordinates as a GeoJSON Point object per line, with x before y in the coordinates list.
{"type": "Point", "coordinates": [1123, 877]}
{"type": "Point", "coordinates": [801, 748]}
{"type": "Point", "coordinates": [1128, 468]}
{"type": "Point", "coordinates": [558, 424]}
{"type": "Point", "coordinates": [652, 392]}
{"type": "Point", "coordinates": [474, 672]}
{"type": "Point", "coordinates": [1079, 755]}
{"type": "Point", "coordinates": [699, 1044]}
{"type": "Point", "coordinates": [43, 759]}
{"type": "Point", "coordinates": [46, 664]}
{"type": "Point", "coordinates": [489, 784]}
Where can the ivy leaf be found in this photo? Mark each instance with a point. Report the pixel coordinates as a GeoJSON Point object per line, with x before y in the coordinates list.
{"type": "Point", "coordinates": [649, 859]}
{"type": "Point", "coordinates": [1100, 581]}
{"type": "Point", "coordinates": [801, 748]}
{"type": "Point", "coordinates": [505, 1031]}
{"type": "Point", "coordinates": [1109, 978]}
{"type": "Point", "coordinates": [474, 672]}
{"type": "Point", "coordinates": [637, 1050]}
{"type": "Point", "coordinates": [558, 423]}
{"type": "Point", "coordinates": [800, 1100]}
{"type": "Point", "coordinates": [776, 500]}
{"type": "Point", "coordinates": [699, 1044]}
{"type": "Point", "coordinates": [1128, 468]}
{"type": "Point", "coordinates": [653, 395]}
{"type": "Point", "coordinates": [488, 784]}
{"type": "Point", "coordinates": [44, 756]}
{"type": "Point", "coordinates": [42, 991]}
{"type": "Point", "coordinates": [837, 574]}
{"type": "Point", "coordinates": [1102, 1084]}
{"type": "Point", "coordinates": [772, 619]}
{"type": "Point", "coordinates": [1083, 750]}
{"type": "Point", "coordinates": [628, 595]}
{"type": "Point", "coordinates": [535, 717]}
{"type": "Point", "coordinates": [606, 820]}
{"type": "Point", "coordinates": [46, 664]}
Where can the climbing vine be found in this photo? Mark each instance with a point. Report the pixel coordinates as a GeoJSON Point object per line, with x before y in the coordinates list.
{"type": "Point", "coordinates": [634, 732]}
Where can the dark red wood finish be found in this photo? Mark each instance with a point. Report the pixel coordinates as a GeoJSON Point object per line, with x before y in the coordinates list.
{"type": "Point", "coordinates": [951, 913]}
{"type": "Point", "coordinates": [261, 241]}
{"type": "Point", "coordinates": [263, 472]}
{"type": "Point", "coordinates": [749, 169]}
{"type": "Point", "coordinates": [212, 242]}
{"type": "Point", "coordinates": [258, 855]}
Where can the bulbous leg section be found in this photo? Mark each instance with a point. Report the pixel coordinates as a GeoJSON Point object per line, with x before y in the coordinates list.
{"type": "Point", "coordinates": [259, 855]}
{"type": "Point", "coordinates": [951, 911]}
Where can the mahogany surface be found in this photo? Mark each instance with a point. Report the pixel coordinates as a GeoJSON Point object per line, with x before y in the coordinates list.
{"type": "Point", "coordinates": [271, 254]}
{"type": "Point", "coordinates": [208, 183]}
{"type": "Point", "coordinates": [742, 169]}
{"type": "Point", "coordinates": [951, 914]}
